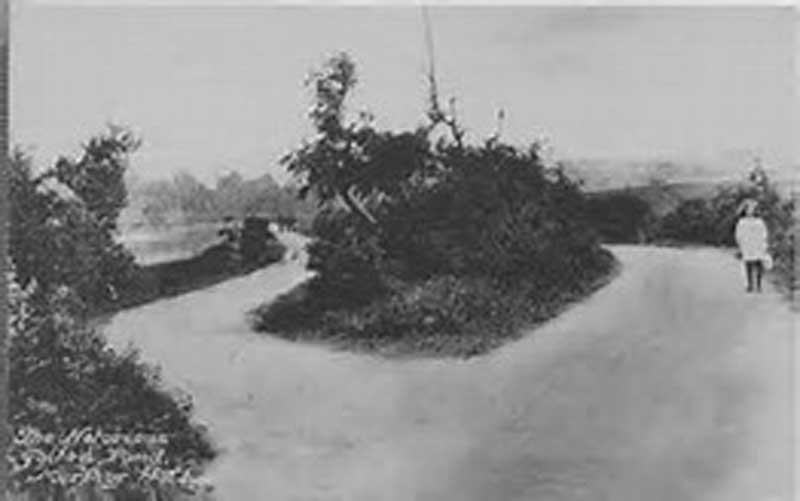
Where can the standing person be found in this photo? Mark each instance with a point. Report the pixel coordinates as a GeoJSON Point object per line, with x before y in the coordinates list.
{"type": "Point", "coordinates": [752, 237]}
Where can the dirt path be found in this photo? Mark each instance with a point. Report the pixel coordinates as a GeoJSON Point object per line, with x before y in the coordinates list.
{"type": "Point", "coordinates": [669, 384]}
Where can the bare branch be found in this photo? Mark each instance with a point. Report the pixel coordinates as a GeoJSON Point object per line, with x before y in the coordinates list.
{"type": "Point", "coordinates": [356, 207]}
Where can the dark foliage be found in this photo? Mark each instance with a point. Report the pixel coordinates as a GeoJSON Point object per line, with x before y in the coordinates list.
{"type": "Point", "coordinates": [496, 212]}
{"type": "Point", "coordinates": [444, 315]}
{"type": "Point", "coordinates": [97, 177]}
{"type": "Point", "coordinates": [63, 377]}
{"type": "Point", "coordinates": [62, 241]}
{"type": "Point", "coordinates": [347, 259]}
{"type": "Point", "coordinates": [620, 217]}
{"type": "Point", "coordinates": [422, 238]}
{"type": "Point", "coordinates": [66, 264]}
{"type": "Point", "coordinates": [290, 313]}
{"type": "Point", "coordinates": [215, 264]}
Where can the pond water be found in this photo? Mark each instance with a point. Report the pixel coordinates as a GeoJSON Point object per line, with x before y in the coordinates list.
{"type": "Point", "coordinates": [156, 245]}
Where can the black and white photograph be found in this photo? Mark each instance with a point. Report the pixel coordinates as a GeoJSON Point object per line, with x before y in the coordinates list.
{"type": "Point", "coordinates": [274, 251]}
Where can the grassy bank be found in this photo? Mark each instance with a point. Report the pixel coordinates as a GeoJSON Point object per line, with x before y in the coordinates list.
{"type": "Point", "coordinates": [446, 316]}
{"type": "Point", "coordinates": [216, 264]}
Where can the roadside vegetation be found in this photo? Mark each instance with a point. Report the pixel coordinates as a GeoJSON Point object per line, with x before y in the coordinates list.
{"type": "Point", "coordinates": [83, 416]}
{"type": "Point", "coordinates": [240, 249]}
{"type": "Point", "coordinates": [712, 220]}
{"type": "Point", "coordinates": [621, 216]}
{"type": "Point", "coordinates": [698, 215]}
{"type": "Point", "coordinates": [426, 242]}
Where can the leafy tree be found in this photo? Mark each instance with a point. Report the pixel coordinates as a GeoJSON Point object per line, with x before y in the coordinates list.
{"type": "Point", "coordinates": [193, 196]}
{"type": "Point", "coordinates": [400, 204]}
{"type": "Point", "coordinates": [64, 262]}
{"type": "Point", "coordinates": [98, 176]}
{"type": "Point", "coordinates": [63, 222]}
{"type": "Point", "coordinates": [333, 164]}
{"type": "Point", "coordinates": [228, 193]}
{"type": "Point", "coordinates": [497, 211]}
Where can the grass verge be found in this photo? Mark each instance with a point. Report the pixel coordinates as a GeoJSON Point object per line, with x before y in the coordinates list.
{"type": "Point", "coordinates": [445, 316]}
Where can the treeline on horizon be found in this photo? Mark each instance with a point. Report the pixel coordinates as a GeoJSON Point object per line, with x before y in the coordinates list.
{"type": "Point", "coordinates": [183, 199]}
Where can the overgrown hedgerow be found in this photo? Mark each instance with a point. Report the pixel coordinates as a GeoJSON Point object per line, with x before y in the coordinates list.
{"type": "Point", "coordinates": [67, 384]}
{"type": "Point", "coordinates": [429, 245]}
{"type": "Point", "coordinates": [620, 216]}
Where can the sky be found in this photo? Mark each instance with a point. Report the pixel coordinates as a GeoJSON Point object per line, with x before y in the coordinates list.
{"type": "Point", "coordinates": [212, 89]}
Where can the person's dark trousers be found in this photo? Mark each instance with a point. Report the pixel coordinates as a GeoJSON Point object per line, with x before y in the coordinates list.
{"type": "Point", "coordinates": [755, 270]}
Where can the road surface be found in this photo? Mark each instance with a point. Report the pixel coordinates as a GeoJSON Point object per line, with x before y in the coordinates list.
{"type": "Point", "coordinates": [669, 384]}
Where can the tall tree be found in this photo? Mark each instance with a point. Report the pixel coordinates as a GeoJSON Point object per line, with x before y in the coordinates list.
{"type": "Point", "coordinates": [63, 222]}
{"type": "Point", "coordinates": [98, 176]}
{"type": "Point", "coordinates": [333, 161]}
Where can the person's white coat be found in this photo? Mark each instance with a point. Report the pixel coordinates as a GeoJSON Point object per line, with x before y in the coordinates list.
{"type": "Point", "coordinates": [751, 237]}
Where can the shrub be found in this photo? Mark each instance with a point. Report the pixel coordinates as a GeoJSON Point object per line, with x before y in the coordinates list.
{"type": "Point", "coordinates": [57, 241]}
{"type": "Point", "coordinates": [620, 217]}
{"type": "Point", "coordinates": [64, 379]}
{"type": "Point", "coordinates": [288, 313]}
{"type": "Point", "coordinates": [444, 315]}
{"type": "Point", "coordinates": [347, 259]}
{"type": "Point", "coordinates": [436, 310]}
{"type": "Point", "coordinates": [497, 212]}
{"type": "Point", "coordinates": [692, 221]}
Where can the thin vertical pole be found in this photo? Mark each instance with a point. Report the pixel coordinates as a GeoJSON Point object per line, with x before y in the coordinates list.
{"type": "Point", "coordinates": [432, 87]}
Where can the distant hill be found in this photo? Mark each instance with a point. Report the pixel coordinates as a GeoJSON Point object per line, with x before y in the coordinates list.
{"type": "Point", "coordinates": [603, 174]}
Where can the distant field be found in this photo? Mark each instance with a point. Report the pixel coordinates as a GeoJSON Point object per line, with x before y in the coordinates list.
{"type": "Point", "coordinates": [152, 246]}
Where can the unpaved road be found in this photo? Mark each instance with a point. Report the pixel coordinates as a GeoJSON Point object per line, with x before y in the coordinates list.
{"type": "Point", "coordinates": [669, 384]}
